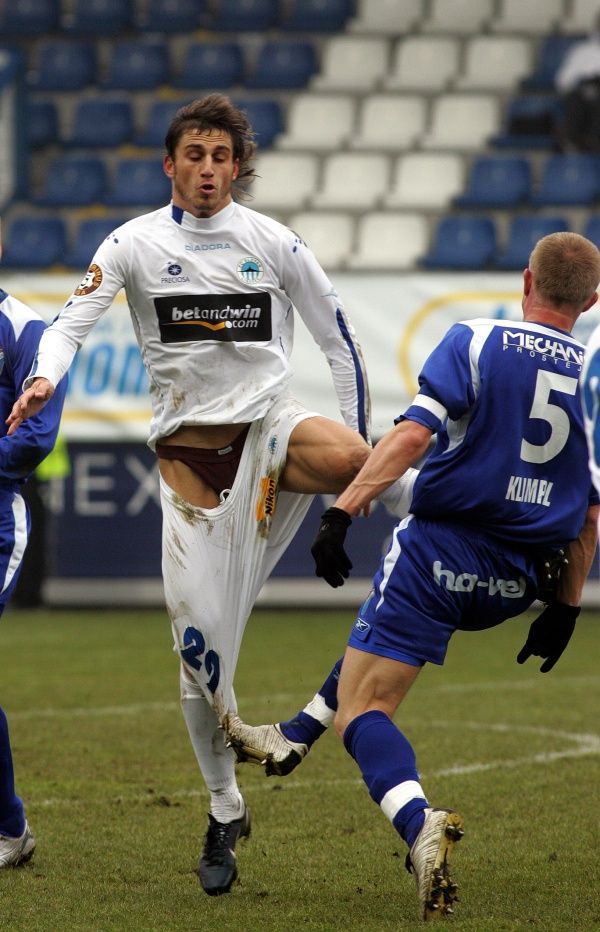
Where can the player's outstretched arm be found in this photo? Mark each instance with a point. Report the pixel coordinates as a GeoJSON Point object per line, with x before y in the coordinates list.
{"type": "Point", "coordinates": [30, 402]}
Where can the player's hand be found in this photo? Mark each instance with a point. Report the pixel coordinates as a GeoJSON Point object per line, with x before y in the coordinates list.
{"type": "Point", "coordinates": [30, 402]}
{"type": "Point", "coordinates": [549, 634]}
{"type": "Point", "coordinates": [331, 560]}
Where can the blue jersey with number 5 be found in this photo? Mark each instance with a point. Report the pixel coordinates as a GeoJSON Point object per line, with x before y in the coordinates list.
{"type": "Point", "coordinates": [511, 453]}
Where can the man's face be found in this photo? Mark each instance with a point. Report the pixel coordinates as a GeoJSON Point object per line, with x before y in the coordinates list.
{"type": "Point", "coordinates": [202, 171]}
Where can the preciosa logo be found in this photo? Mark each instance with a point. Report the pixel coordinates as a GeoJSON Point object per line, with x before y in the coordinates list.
{"type": "Point", "coordinates": [174, 269]}
{"type": "Point", "coordinates": [250, 270]}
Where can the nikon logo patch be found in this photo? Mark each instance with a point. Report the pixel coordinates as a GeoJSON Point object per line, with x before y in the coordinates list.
{"type": "Point", "coordinates": [225, 318]}
{"type": "Point", "coordinates": [267, 498]}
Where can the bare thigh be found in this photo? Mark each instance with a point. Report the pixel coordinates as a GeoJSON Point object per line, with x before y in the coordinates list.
{"type": "Point", "coordinates": [323, 456]}
{"type": "Point", "coordinates": [369, 682]}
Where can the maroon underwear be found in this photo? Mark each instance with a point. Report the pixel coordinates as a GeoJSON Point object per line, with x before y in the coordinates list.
{"type": "Point", "coordinates": [217, 468]}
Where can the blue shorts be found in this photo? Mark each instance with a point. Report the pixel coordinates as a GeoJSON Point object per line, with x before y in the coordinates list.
{"type": "Point", "coordinates": [437, 578]}
{"type": "Point", "coordinates": [14, 533]}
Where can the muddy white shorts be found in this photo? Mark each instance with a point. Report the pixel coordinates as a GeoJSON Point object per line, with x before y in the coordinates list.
{"type": "Point", "coordinates": [216, 560]}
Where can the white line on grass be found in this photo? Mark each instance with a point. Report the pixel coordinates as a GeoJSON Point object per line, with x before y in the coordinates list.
{"type": "Point", "coordinates": [585, 744]}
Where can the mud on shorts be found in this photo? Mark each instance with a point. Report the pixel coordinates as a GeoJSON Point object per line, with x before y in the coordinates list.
{"type": "Point", "coordinates": [216, 560]}
{"type": "Point", "coordinates": [436, 578]}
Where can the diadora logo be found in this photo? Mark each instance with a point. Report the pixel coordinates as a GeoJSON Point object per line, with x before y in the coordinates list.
{"type": "Point", "coordinates": [467, 582]}
{"type": "Point", "coordinates": [250, 270]}
{"type": "Point", "coordinates": [267, 498]}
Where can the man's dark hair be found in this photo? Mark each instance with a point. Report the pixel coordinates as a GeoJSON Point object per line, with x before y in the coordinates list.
{"type": "Point", "coordinates": [216, 111]}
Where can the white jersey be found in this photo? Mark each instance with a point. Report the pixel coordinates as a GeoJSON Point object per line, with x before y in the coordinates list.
{"type": "Point", "coordinates": [212, 303]}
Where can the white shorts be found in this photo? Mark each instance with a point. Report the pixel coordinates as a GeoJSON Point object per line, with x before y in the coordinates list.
{"type": "Point", "coordinates": [216, 560]}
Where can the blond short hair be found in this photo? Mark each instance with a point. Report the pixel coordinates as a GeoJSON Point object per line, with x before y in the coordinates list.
{"type": "Point", "coordinates": [565, 269]}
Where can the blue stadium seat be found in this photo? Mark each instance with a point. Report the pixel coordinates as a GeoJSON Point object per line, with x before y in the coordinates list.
{"type": "Point", "coordinates": [42, 123]}
{"type": "Point", "coordinates": [64, 65]}
{"type": "Point", "coordinates": [570, 178]}
{"type": "Point", "coordinates": [88, 237]}
{"type": "Point", "coordinates": [34, 242]}
{"type": "Point", "coordinates": [137, 65]}
{"type": "Point", "coordinates": [73, 182]}
{"type": "Point", "coordinates": [29, 18]}
{"type": "Point", "coordinates": [524, 233]}
{"type": "Point", "coordinates": [592, 229]}
{"type": "Point", "coordinates": [139, 183]}
{"type": "Point", "coordinates": [497, 181]}
{"type": "Point", "coordinates": [157, 122]}
{"type": "Point", "coordinates": [171, 16]}
{"type": "Point", "coordinates": [317, 15]}
{"type": "Point", "coordinates": [210, 65]}
{"type": "Point", "coordinates": [101, 122]}
{"type": "Point", "coordinates": [245, 15]}
{"type": "Point", "coordinates": [283, 65]}
{"type": "Point", "coordinates": [265, 117]}
{"type": "Point", "coordinates": [101, 17]}
{"type": "Point", "coordinates": [462, 243]}
{"type": "Point", "coordinates": [550, 57]}
{"type": "Point", "coordinates": [530, 122]}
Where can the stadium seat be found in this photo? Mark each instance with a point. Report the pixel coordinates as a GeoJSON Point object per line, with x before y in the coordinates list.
{"type": "Point", "coordinates": [592, 229]}
{"type": "Point", "coordinates": [285, 180]}
{"type": "Point", "coordinates": [137, 65]}
{"type": "Point", "coordinates": [529, 18]}
{"type": "Point", "coordinates": [351, 179]}
{"type": "Point", "coordinates": [550, 56]}
{"type": "Point", "coordinates": [524, 233]}
{"type": "Point", "coordinates": [530, 122]}
{"type": "Point", "coordinates": [387, 121]}
{"type": "Point", "coordinates": [318, 121]}
{"type": "Point", "coordinates": [352, 63]}
{"type": "Point", "coordinates": [139, 183]}
{"type": "Point", "coordinates": [210, 65]}
{"type": "Point", "coordinates": [579, 16]}
{"type": "Point", "coordinates": [386, 16]}
{"type": "Point", "coordinates": [29, 18]}
{"type": "Point", "coordinates": [90, 233]}
{"type": "Point", "coordinates": [424, 63]}
{"type": "Point", "coordinates": [458, 16]}
{"type": "Point", "coordinates": [462, 243]}
{"type": "Point", "coordinates": [64, 65]}
{"type": "Point", "coordinates": [282, 64]}
{"type": "Point", "coordinates": [42, 123]}
{"type": "Point", "coordinates": [426, 180]}
{"type": "Point", "coordinates": [100, 17]}
{"type": "Point", "coordinates": [34, 242]}
{"type": "Point", "coordinates": [389, 241]}
{"type": "Point", "coordinates": [157, 121]}
{"type": "Point", "coordinates": [317, 15]}
{"type": "Point", "coordinates": [265, 118]}
{"type": "Point", "coordinates": [245, 15]}
{"type": "Point", "coordinates": [173, 16]}
{"type": "Point", "coordinates": [497, 181]}
{"type": "Point", "coordinates": [495, 63]}
{"type": "Point", "coordinates": [101, 122]}
{"type": "Point", "coordinates": [73, 182]}
{"type": "Point", "coordinates": [461, 121]}
{"type": "Point", "coordinates": [329, 235]}
{"type": "Point", "coordinates": [571, 178]}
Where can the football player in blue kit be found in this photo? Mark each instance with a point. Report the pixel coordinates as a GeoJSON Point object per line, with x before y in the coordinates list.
{"type": "Point", "coordinates": [505, 492]}
{"type": "Point", "coordinates": [20, 332]}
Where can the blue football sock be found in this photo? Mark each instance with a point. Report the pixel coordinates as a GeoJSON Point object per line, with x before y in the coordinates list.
{"type": "Point", "coordinates": [388, 765]}
{"type": "Point", "coordinates": [12, 816]}
{"type": "Point", "coordinates": [310, 723]}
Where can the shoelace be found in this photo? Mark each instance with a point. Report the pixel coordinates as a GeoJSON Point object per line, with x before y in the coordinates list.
{"type": "Point", "coordinates": [217, 842]}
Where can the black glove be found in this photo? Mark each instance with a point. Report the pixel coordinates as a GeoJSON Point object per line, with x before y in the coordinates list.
{"type": "Point", "coordinates": [331, 560]}
{"type": "Point", "coordinates": [549, 634]}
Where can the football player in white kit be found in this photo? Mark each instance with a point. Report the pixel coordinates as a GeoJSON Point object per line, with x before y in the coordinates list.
{"type": "Point", "coordinates": [212, 287]}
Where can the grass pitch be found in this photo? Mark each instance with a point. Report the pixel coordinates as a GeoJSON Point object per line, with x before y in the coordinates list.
{"type": "Point", "coordinates": [118, 808]}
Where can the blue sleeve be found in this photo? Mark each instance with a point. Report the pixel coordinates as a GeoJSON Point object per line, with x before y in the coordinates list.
{"type": "Point", "coordinates": [24, 450]}
{"type": "Point", "coordinates": [446, 387]}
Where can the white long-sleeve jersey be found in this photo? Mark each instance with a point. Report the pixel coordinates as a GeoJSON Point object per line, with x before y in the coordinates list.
{"type": "Point", "coordinates": [212, 303]}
